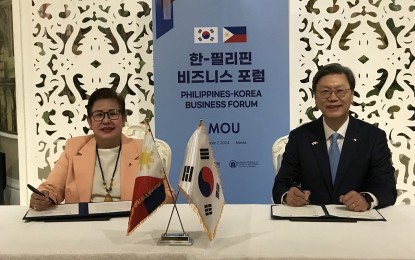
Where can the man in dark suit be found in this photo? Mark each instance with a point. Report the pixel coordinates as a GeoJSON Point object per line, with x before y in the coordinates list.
{"type": "Point", "coordinates": [364, 177]}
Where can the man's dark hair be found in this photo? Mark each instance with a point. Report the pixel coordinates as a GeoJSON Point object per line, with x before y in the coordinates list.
{"type": "Point", "coordinates": [334, 68]}
{"type": "Point", "coordinates": [105, 93]}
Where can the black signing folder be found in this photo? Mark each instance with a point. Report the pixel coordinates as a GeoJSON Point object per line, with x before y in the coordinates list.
{"type": "Point", "coordinates": [92, 211]}
{"type": "Point", "coordinates": [323, 213]}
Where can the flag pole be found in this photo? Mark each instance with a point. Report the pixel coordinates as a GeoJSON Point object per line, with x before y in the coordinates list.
{"type": "Point", "coordinates": [177, 238]}
{"type": "Point", "coordinates": [166, 238]}
{"type": "Point", "coordinates": [178, 215]}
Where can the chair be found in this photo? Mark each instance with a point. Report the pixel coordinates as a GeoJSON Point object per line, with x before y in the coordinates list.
{"type": "Point", "coordinates": [278, 149]}
{"type": "Point", "coordinates": [138, 132]}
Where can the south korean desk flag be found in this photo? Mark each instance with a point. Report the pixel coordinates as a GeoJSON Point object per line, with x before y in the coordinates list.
{"type": "Point", "coordinates": [200, 181]}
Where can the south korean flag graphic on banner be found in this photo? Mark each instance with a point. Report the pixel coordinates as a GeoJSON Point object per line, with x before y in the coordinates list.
{"type": "Point", "coordinates": [200, 181]}
{"type": "Point", "coordinates": [206, 34]}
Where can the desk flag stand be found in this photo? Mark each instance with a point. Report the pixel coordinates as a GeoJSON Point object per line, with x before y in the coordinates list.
{"type": "Point", "coordinates": [175, 239]}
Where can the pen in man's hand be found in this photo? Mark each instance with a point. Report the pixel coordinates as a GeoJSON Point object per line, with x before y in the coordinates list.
{"type": "Point", "coordinates": [298, 186]}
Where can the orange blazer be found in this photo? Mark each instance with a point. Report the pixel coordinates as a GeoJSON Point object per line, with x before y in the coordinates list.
{"type": "Point", "coordinates": [72, 176]}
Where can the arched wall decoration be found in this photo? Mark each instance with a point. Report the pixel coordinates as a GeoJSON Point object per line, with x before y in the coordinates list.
{"type": "Point", "coordinates": [80, 46]}
{"type": "Point", "coordinates": [376, 39]}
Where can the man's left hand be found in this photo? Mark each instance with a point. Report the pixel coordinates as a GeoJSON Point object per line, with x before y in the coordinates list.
{"type": "Point", "coordinates": [354, 201]}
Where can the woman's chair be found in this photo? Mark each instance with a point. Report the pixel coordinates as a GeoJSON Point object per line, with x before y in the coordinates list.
{"type": "Point", "coordinates": [138, 132]}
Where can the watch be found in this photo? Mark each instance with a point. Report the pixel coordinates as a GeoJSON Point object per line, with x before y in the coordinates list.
{"type": "Point", "coordinates": [368, 199]}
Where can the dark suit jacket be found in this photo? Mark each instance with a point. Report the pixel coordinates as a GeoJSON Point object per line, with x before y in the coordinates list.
{"type": "Point", "coordinates": [365, 164]}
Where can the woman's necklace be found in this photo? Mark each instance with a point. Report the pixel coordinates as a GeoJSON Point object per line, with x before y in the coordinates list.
{"type": "Point", "coordinates": [108, 197]}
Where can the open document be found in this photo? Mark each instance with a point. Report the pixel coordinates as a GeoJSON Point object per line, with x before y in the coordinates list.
{"type": "Point", "coordinates": [81, 211]}
{"type": "Point", "coordinates": [338, 213]}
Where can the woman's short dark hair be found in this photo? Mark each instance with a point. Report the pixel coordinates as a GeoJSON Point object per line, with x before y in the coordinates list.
{"type": "Point", "coordinates": [334, 68]}
{"type": "Point", "coordinates": [105, 93]}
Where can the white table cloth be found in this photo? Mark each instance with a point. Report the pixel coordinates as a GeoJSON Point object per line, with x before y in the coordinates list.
{"type": "Point", "coordinates": [244, 232]}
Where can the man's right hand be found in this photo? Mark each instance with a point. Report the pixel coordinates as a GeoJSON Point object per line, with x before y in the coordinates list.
{"type": "Point", "coordinates": [297, 198]}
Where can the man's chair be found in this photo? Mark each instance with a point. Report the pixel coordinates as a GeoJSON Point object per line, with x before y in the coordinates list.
{"type": "Point", "coordinates": [138, 132]}
{"type": "Point", "coordinates": [278, 149]}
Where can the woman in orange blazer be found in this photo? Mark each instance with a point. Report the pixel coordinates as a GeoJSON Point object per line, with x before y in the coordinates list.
{"type": "Point", "coordinates": [97, 167]}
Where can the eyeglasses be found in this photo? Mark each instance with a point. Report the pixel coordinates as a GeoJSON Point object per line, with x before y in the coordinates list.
{"type": "Point", "coordinates": [100, 115]}
{"type": "Point", "coordinates": [338, 92]}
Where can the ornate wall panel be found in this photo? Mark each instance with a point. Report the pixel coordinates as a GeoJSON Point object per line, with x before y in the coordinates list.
{"type": "Point", "coordinates": [376, 39]}
{"type": "Point", "coordinates": [80, 46]}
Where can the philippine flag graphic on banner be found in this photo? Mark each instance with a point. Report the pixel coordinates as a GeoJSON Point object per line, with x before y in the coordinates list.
{"type": "Point", "coordinates": [200, 181]}
{"type": "Point", "coordinates": [206, 34]}
{"type": "Point", "coordinates": [234, 34]}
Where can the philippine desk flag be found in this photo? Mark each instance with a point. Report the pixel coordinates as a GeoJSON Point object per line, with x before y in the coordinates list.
{"type": "Point", "coordinates": [149, 191]}
{"type": "Point", "coordinates": [200, 181]}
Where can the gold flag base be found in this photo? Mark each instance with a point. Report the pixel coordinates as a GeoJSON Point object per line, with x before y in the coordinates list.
{"type": "Point", "coordinates": [182, 239]}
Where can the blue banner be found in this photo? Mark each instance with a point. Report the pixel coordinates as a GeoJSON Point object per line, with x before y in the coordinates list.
{"type": "Point", "coordinates": [225, 62]}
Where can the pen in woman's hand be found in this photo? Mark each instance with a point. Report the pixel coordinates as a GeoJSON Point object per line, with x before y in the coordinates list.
{"type": "Point", "coordinates": [34, 190]}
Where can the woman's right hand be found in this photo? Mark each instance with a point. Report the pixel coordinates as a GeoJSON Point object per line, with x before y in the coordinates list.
{"type": "Point", "coordinates": [39, 202]}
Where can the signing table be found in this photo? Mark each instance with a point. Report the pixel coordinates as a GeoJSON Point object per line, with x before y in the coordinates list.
{"type": "Point", "coordinates": [244, 232]}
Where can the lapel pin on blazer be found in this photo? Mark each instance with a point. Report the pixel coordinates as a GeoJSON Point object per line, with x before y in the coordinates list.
{"type": "Point", "coordinates": [354, 139]}
{"type": "Point", "coordinates": [314, 143]}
